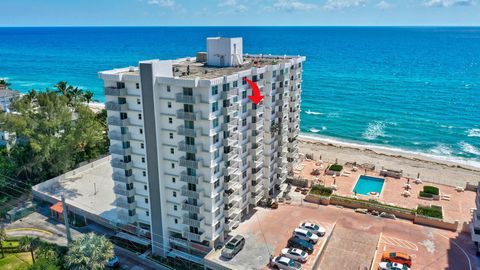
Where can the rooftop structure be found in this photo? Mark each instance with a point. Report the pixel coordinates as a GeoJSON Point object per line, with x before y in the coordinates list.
{"type": "Point", "coordinates": [191, 154]}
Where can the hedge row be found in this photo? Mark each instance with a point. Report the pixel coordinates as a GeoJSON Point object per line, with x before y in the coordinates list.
{"type": "Point", "coordinates": [425, 194]}
{"type": "Point", "coordinates": [321, 190]}
{"type": "Point", "coordinates": [377, 204]}
{"type": "Point", "coordinates": [432, 211]}
{"type": "Point", "coordinates": [431, 190]}
{"type": "Point", "coordinates": [336, 167]}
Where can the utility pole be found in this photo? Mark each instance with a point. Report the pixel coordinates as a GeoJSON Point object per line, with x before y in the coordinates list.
{"type": "Point", "coordinates": [65, 219]}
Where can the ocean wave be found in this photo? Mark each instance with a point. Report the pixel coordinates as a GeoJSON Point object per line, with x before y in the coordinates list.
{"type": "Point", "coordinates": [474, 132]}
{"type": "Point", "coordinates": [468, 148]}
{"type": "Point", "coordinates": [333, 115]}
{"type": "Point", "coordinates": [314, 130]}
{"type": "Point", "coordinates": [442, 149]}
{"type": "Point", "coordinates": [313, 113]}
{"type": "Point", "coordinates": [374, 130]}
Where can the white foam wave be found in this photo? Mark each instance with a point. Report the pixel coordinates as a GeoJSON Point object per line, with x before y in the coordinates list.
{"type": "Point", "coordinates": [324, 128]}
{"type": "Point", "coordinates": [474, 132]}
{"type": "Point", "coordinates": [458, 160]}
{"type": "Point", "coordinates": [468, 148]}
{"type": "Point", "coordinates": [333, 115]}
{"type": "Point", "coordinates": [441, 149]}
{"type": "Point", "coordinates": [314, 130]}
{"type": "Point", "coordinates": [313, 113]}
{"type": "Point", "coordinates": [374, 130]}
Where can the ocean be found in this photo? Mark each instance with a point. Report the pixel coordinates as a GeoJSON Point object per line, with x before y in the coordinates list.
{"type": "Point", "coordinates": [405, 88]}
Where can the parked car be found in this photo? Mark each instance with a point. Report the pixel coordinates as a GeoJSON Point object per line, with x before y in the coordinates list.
{"type": "Point", "coordinates": [397, 257]}
{"type": "Point", "coordinates": [392, 266]}
{"type": "Point", "coordinates": [296, 254]}
{"type": "Point", "coordinates": [281, 262]}
{"type": "Point", "coordinates": [313, 228]}
{"type": "Point", "coordinates": [305, 235]}
{"type": "Point", "coordinates": [233, 247]}
{"type": "Point", "coordinates": [113, 262]}
{"type": "Point", "coordinates": [387, 215]}
{"type": "Point", "coordinates": [294, 242]}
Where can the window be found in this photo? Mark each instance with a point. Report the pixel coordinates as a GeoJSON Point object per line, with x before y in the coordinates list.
{"type": "Point", "coordinates": [261, 76]}
{"type": "Point", "coordinates": [145, 187]}
{"type": "Point", "coordinates": [141, 131]}
{"type": "Point", "coordinates": [174, 194]}
{"type": "Point", "coordinates": [173, 179]}
{"type": "Point", "coordinates": [214, 106]}
{"type": "Point", "coordinates": [244, 122]}
{"type": "Point", "coordinates": [168, 88]}
{"type": "Point", "coordinates": [215, 122]}
{"type": "Point", "coordinates": [137, 85]}
{"type": "Point", "coordinates": [244, 174]}
{"type": "Point", "coordinates": [216, 154]}
{"type": "Point", "coordinates": [244, 197]}
{"type": "Point", "coordinates": [244, 81]}
{"type": "Point", "coordinates": [139, 116]}
{"type": "Point", "coordinates": [217, 198]}
{"type": "Point", "coordinates": [176, 221]}
{"type": "Point", "coordinates": [143, 160]}
{"type": "Point", "coordinates": [170, 135]}
{"type": "Point", "coordinates": [216, 169]}
{"type": "Point", "coordinates": [146, 200]}
{"type": "Point", "coordinates": [144, 173]}
{"type": "Point", "coordinates": [147, 213]}
{"type": "Point", "coordinates": [138, 101]}
{"type": "Point", "coordinates": [142, 145]}
{"type": "Point", "coordinates": [244, 108]}
{"type": "Point", "coordinates": [172, 151]}
{"type": "Point", "coordinates": [226, 87]}
{"type": "Point", "coordinates": [173, 165]}
{"type": "Point", "coordinates": [244, 94]}
{"type": "Point", "coordinates": [217, 212]}
{"type": "Point", "coordinates": [217, 226]}
{"type": "Point", "coordinates": [169, 104]}
{"type": "Point", "coordinates": [216, 184]}
{"type": "Point", "coordinates": [174, 208]}
{"type": "Point", "coordinates": [170, 120]}
{"type": "Point", "coordinates": [235, 84]}
{"type": "Point", "coordinates": [215, 138]}
{"type": "Point", "coordinates": [274, 73]}
{"type": "Point", "coordinates": [214, 90]}
{"type": "Point", "coordinates": [244, 186]}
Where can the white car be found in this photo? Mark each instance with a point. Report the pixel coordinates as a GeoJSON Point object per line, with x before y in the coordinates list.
{"type": "Point", "coordinates": [392, 266]}
{"type": "Point", "coordinates": [313, 228]}
{"type": "Point", "coordinates": [285, 263]}
{"type": "Point", "coordinates": [305, 235]}
{"type": "Point", "coordinates": [296, 254]}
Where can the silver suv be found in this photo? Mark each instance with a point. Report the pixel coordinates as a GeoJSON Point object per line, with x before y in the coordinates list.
{"type": "Point", "coordinates": [233, 247]}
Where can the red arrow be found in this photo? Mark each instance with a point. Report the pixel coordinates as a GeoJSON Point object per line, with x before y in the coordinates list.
{"type": "Point", "coordinates": [255, 97]}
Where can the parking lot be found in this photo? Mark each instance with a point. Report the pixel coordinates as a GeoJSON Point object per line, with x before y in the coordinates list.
{"type": "Point", "coordinates": [268, 230]}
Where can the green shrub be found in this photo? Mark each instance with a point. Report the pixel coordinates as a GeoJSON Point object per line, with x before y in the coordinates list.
{"type": "Point", "coordinates": [425, 195]}
{"type": "Point", "coordinates": [431, 211]}
{"type": "Point", "coordinates": [374, 203]}
{"type": "Point", "coordinates": [336, 167]}
{"type": "Point", "coordinates": [321, 190]}
{"type": "Point", "coordinates": [431, 190]}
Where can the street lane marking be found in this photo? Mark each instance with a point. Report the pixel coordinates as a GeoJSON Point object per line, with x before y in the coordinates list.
{"type": "Point", "coordinates": [29, 229]}
{"type": "Point", "coordinates": [397, 242]}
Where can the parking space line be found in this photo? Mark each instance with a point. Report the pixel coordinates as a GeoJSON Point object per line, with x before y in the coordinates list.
{"type": "Point", "coordinates": [397, 242]}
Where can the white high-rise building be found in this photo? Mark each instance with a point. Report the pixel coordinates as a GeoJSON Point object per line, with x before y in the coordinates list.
{"type": "Point", "coordinates": [191, 153]}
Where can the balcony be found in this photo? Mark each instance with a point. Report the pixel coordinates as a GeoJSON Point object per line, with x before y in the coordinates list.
{"type": "Point", "coordinates": [182, 146]}
{"type": "Point", "coordinates": [232, 185]}
{"type": "Point", "coordinates": [231, 199]}
{"type": "Point", "coordinates": [190, 193]}
{"type": "Point", "coordinates": [190, 132]}
{"type": "Point", "coordinates": [257, 125]}
{"type": "Point", "coordinates": [116, 135]}
{"type": "Point", "coordinates": [231, 224]}
{"type": "Point", "coordinates": [257, 176]}
{"type": "Point", "coordinates": [181, 98]}
{"type": "Point", "coordinates": [257, 163]}
{"type": "Point", "coordinates": [119, 150]}
{"type": "Point", "coordinates": [293, 133]}
{"type": "Point", "coordinates": [123, 203]}
{"type": "Point", "coordinates": [230, 109]}
{"type": "Point", "coordinates": [281, 90]}
{"type": "Point", "coordinates": [193, 164]}
{"type": "Point", "coordinates": [191, 116]}
{"type": "Point", "coordinates": [115, 106]}
{"type": "Point", "coordinates": [257, 151]}
{"type": "Point", "coordinates": [230, 142]}
{"type": "Point", "coordinates": [116, 121]}
{"type": "Point", "coordinates": [230, 156]}
{"type": "Point", "coordinates": [282, 172]}
{"type": "Point", "coordinates": [120, 164]}
{"type": "Point", "coordinates": [114, 91]}
{"type": "Point", "coordinates": [256, 139]}
{"type": "Point", "coordinates": [230, 93]}
{"type": "Point", "coordinates": [189, 178]}
{"type": "Point", "coordinates": [120, 177]}
{"type": "Point", "coordinates": [280, 102]}
{"type": "Point", "coordinates": [231, 212]}
{"type": "Point", "coordinates": [257, 187]}
{"type": "Point", "coordinates": [281, 77]}
{"type": "Point", "coordinates": [121, 190]}
{"type": "Point", "coordinates": [192, 222]}
{"type": "Point", "coordinates": [256, 197]}
{"type": "Point", "coordinates": [229, 126]}
{"type": "Point", "coordinates": [197, 237]}
{"type": "Point", "coordinates": [230, 170]}
{"type": "Point", "coordinates": [125, 218]}
{"type": "Point", "coordinates": [192, 208]}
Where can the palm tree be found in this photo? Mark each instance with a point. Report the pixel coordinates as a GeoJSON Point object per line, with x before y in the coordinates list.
{"type": "Point", "coordinates": [3, 237]}
{"type": "Point", "coordinates": [4, 83]}
{"type": "Point", "coordinates": [28, 243]}
{"type": "Point", "coordinates": [75, 94]}
{"type": "Point", "coordinates": [63, 88]}
{"type": "Point", "coordinates": [90, 251]}
{"type": "Point", "coordinates": [88, 96]}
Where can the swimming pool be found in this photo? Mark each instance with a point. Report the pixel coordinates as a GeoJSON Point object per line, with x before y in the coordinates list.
{"type": "Point", "coordinates": [367, 184]}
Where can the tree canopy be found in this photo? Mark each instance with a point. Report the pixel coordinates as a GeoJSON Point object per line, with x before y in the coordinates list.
{"type": "Point", "coordinates": [89, 252]}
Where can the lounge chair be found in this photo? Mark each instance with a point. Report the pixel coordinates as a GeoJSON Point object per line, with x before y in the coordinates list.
{"type": "Point", "coordinates": [354, 169]}
{"type": "Point", "coordinates": [406, 193]}
{"type": "Point", "coordinates": [418, 181]}
{"type": "Point", "coordinates": [446, 197]}
{"type": "Point", "coordinates": [459, 188]}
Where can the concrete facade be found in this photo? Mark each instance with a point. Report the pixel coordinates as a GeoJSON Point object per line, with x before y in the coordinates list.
{"type": "Point", "coordinates": [191, 154]}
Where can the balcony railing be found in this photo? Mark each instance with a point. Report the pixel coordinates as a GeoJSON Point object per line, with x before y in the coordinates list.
{"type": "Point", "coordinates": [192, 222]}
{"type": "Point", "coordinates": [192, 208]}
{"type": "Point", "coordinates": [230, 142]}
{"type": "Point", "coordinates": [256, 197]}
{"type": "Point", "coordinates": [123, 203]}
{"type": "Point", "coordinates": [115, 135]}
{"type": "Point", "coordinates": [230, 93]}
{"type": "Point", "coordinates": [232, 185]}
{"type": "Point", "coordinates": [258, 187]}
{"type": "Point", "coordinates": [230, 109]}
{"type": "Point", "coordinates": [232, 224]}
{"type": "Point", "coordinates": [115, 106]}
{"type": "Point", "coordinates": [189, 178]}
{"type": "Point", "coordinates": [120, 177]}
{"type": "Point", "coordinates": [114, 91]}
{"type": "Point", "coordinates": [191, 116]}
{"type": "Point", "coordinates": [182, 146]}
{"type": "Point", "coordinates": [197, 237]}
{"type": "Point", "coordinates": [187, 99]}
{"type": "Point", "coordinates": [120, 164]}
{"type": "Point", "coordinates": [125, 218]}
{"type": "Point", "coordinates": [231, 212]}
{"type": "Point", "coordinates": [120, 190]}
{"type": "Point", "coordinates": [190, 193]}
{"type": "Point", "coordinates": [190, 132]}
{"type": "Point", "coordinates": [233, 198]}
{"type": "Point", "coordinates": [256, 126]}
{"type": "Point", "coordinates": [229, 156]}
{"type": "Point", "coordinates": [119, 150]}
{"type": "Point", "coordinates": [116, 121]}
{"type": "Point", "coordinates": [194, 164]}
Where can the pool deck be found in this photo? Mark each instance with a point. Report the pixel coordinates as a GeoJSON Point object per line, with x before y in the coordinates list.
{"type": "Point", "coordinates": [458, 208]}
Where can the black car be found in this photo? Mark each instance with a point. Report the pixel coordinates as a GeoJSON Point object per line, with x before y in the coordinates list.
{"type": "Point", "coordinates": [294, 242]}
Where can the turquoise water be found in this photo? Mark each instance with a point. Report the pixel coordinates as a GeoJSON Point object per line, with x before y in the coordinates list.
{"type": "Point", "coordinates": [411, 89]}
{"type": "Point", "coordinates": [367, 184]}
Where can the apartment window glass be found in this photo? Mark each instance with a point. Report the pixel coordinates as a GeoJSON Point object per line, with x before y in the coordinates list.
{"type": "Point", "coordinates": [244, 122]}
{"type": "Point", "coordinates": [169, 104]}
{"type": "Point", "coordinates": [143, 160]}
{"type": "Point", "coordinates": [215, 138]}
{"type": "Point", "coordinates": [217, 212]}
{"type": "Point", "coordinates": [244, 174]}
{"type": "Point", "coordinates": [244, 80]}
{"type": "Point", "coordinates": [235, 84]}
{"type": "Point", "coordinates": [144, 173]}
{"type": "Point", "coordinates": [244, 94]}
{"type": "Point", "coordinates": [214, 90]}
{"type": "Point", "coordinates": [187, 91]}
{"type": "Point", "coordinates": [174, 208]}
{"type": "Point", "coordinates": [274, 73]}
{"type": "Point", "coordinates": [261, 76]}
{"type": "Point", "coordinates": [168, 88]}
{"type": "Point", "coordinates": [235, 99]}
{"type": "Point", "coordinates": [216, 154]}
{"type": "Point", "coordinates": [217, 198]}
{"type": "Point", "coordinates": [138, 101]}
{"type": "Point", "coordinates": [146, 200]}
{"type": "Point", "coordinates": [274, 86]}
{"type": "Point", "coordinates": [172, 151]}
{"type": "Point", "coordinates": [216, 184]}
{"type": "Point", "coordinates": [170, 120]}
{"type": "Point", "coordinates": [215, 122]}
{"type": "Point", "coordinates": [147, 213]}
{"type": "Point", "coordinates": [254, 78]}
{"type": "Point", "coordinates": [215, 106]}
{"type": "Point", "coordinates": [137, 85]}
{"type": "Point", "coordinates": [173, 165]}
{"type": "Point", "coordinates": [142, 145]}
{"type": "Point", "coordinates": [170, 135]}
{"type": "Point", "coordinates": [141, 131]}
{"type": "Point", "coordinates": [173, 179]}
{"type": "Point", "coordinates": [216, 169]}
{"type": "Point", "coordinates": [217, 226]}
{"type": "Point", "coordinates": [226, 87]}
{"type": "Point", "coordinates": [176, 221]}
{"type": "Point", "coordinates": [244, 186]}
{"type": "Point", "coordinates": [174, 194]}
{"type": "Point", "coordinates": [145, 187]}
{"type": "Point", "coordinates": [244, 108]}
{"type": "Point", "coordinates": [244, 197]}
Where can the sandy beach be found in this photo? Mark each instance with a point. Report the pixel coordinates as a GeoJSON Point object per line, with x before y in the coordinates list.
{"type": "Point", "coordinates": [430, 169]}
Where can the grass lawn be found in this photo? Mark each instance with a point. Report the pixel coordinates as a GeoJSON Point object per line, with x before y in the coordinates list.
{"type": "Point", "coordinates": [15, 261]}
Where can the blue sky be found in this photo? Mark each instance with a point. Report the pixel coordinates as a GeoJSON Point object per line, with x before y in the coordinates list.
{"type": "Point", "coordinates": [239, 12]}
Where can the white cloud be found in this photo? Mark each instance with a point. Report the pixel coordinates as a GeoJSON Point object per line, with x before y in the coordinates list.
{"type": "Point", "coordinates": [233, 5]}
{"type": "Point", "coordinates": [162, 3]}
{"type": "Point", "coordinates": [343, 4]}
{"type": "Point", "coordinates": [449, 3]}
{"type": "Point", "coordinates": [293, 5]}
{"type": "Point", "coordinates": [383, 5]}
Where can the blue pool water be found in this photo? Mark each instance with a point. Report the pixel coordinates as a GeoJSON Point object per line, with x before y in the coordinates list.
{"type": "Point", "coordinates": [367, 184]}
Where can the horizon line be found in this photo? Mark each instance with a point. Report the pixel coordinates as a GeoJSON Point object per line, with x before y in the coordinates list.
{"type": "Point", "coordinates": [174, 26]}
